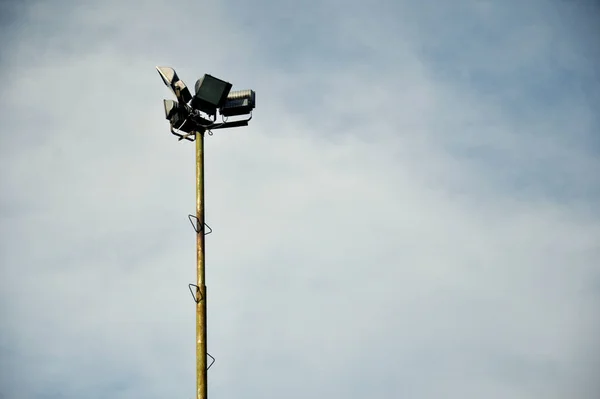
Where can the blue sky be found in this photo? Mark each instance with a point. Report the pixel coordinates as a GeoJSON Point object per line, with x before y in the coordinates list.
{"type": "Point", "coordinates": [411, 213]}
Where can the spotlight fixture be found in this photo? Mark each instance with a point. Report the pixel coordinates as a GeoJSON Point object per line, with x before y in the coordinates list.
{"type": "Point", "coordinates": [178, 117]}
{"type": "Point", "coordinates": [176, 85]}
{"type": "Point", "coordinates": [211, 94]}
{"type": "Point", "coordinates": [240, 102]}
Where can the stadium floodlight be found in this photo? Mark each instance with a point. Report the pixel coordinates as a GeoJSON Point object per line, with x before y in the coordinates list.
{"type": "Point", "coordinates": [211, 94]}
{"type": "Point", "coordinates": [240, 102]}
{"type": "Point", "coordinates": [178, 117]}
{"type": "Point", "coordinates": [176, 85]}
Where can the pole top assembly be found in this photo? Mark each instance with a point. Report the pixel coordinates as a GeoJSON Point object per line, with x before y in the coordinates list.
{"type": "Point", "coordinates": [213, 98]}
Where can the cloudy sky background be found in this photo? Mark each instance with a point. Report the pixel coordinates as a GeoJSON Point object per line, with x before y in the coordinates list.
{"type": "Point", "coordinates": [413, 212]}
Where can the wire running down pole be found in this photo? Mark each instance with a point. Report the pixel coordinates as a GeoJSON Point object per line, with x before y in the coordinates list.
{"type": "Point", "coordinates": [201, 347]}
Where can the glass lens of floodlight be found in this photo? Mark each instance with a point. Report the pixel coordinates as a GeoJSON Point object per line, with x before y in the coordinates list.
{"type": "Point", "coordinates": [170, 108]}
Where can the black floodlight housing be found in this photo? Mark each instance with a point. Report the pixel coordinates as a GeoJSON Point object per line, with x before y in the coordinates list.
{"type": "Point", "coordinates": [240, 102]}
{"type": "Point", "coordinates": [211, 94]}
{"type": "Point", "coordinates": [178, 117]}
{"type": "Point", "coordinates": [176, 85]}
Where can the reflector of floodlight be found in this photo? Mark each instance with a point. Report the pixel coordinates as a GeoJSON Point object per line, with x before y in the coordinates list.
{"type": "Point", "coordinates": [211, 94]}
{"type": "Point", "coordinates": [240, 102]}
{"type": "Point", "coordinates": [176, 85]}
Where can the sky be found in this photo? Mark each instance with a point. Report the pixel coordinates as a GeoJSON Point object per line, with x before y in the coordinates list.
{"type": "Point", "coordinates": [412, 212]}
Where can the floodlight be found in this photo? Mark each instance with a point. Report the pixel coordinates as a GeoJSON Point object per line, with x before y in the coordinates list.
{"type": "Point", "coordinates": [176, 85]}
{"type": "Point", "coordinates": [178, 117]}
{"type": "Point", "coordinates": [211, 93]}
{"type": "Point", "coordinates": [240, 102]}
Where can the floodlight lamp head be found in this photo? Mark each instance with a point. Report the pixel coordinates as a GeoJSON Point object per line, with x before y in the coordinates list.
{"type": "Point", "coordinates": [178, 117]}
{"type": "Point", "coordinates": [176, 85]}
{"type": "Point", "coordinates": [240, 102]}
{"type": "Point", "coordinates": [211, 94]}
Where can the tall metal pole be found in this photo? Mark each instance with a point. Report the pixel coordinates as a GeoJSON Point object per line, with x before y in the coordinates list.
{"type": "Point", "coordinates": [201, 354]}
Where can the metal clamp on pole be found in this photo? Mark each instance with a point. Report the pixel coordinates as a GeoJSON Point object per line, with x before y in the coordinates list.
{"type": "Point", "coordinates": [211, 363]}
{"type": "Point", "coordinates": [198, 226]}
{"type": "Point", "coordinates": [198, 295]}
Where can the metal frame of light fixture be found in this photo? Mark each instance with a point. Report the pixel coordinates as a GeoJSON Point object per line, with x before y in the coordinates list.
{"type": "Point", "coordinates": [183, 113]}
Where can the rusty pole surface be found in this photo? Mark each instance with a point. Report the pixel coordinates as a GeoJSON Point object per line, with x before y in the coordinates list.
{"type": "Point", "coordinates": [201, 355]}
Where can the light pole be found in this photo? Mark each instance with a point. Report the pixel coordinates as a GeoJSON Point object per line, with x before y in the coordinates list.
{"type": "Point", "coordinates": [190, 118]}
